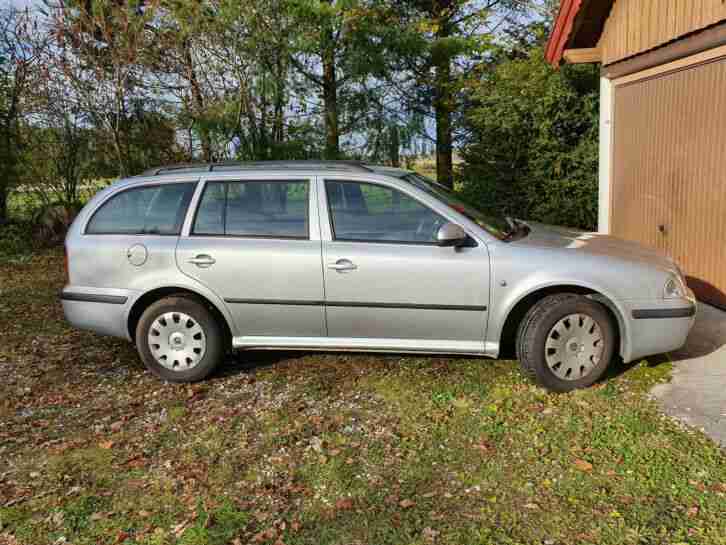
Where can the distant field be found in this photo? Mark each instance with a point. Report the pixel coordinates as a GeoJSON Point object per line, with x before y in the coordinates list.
{"type": "Point", "coordinates": [24, 200]}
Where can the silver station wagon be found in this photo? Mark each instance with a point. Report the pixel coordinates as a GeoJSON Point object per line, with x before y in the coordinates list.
{"type": "Point", "coordinates": [191, 261]}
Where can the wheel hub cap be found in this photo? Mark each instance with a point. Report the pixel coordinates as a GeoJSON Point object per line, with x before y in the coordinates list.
{"type": "Point", "coordinates": [574, 347]}
{"type": "Point", "coordinates": [177, 341]}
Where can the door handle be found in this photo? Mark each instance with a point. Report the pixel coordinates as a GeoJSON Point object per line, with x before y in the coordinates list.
{"type": "Point", "coordinates": [342, 265]}
{"type": "Point", "coordinates": [203, 261]}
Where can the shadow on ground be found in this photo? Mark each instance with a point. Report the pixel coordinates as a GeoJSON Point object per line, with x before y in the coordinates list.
{"type": "Point", "coordinates": [697, 393]}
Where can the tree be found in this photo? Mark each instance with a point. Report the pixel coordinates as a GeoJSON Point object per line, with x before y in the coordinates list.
{"type": "Point", "coordinates": [19, 58]}
{"type": "Point", "coordinates": [433, 45]}
{"type": "Point", "coordinates": [531, 147]}
{"type": "Point", "coordinates": [99, 49]}
{"type": "Point", "coordinates": [334, 53]}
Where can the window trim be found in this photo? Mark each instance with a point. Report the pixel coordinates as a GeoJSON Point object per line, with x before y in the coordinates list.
{"type": "Point", "coordinates": [142, 186]}
{"type": "Point", "coordinates": [334, 238]}
{"type": "Point", "coordinates": [207, 183]}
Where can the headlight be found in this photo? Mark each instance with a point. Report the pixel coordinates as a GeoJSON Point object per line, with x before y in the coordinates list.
{"type": "Point", "coordinates": [674, 288]}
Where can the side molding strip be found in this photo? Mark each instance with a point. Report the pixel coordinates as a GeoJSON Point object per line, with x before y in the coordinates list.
{"type": "Point", "coordinates": [354, 304]}
{"type": "Point", "coordinates": [662, 313]}
{"type": "Point", "coordinates": [93, 298]}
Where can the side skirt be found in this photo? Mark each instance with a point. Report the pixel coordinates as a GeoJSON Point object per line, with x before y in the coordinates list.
{"type": "Point", "coordinates": [420, 346]}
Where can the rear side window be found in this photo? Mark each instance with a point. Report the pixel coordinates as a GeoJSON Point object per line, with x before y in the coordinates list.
{"type": "Point", "coordinates": [149, 210]}
{"type": "Point", "coordinates": [276, 209]}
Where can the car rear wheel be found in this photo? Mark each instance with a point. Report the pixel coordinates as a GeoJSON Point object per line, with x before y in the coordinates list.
{"type": "Point", "coordinates": [566, 342]}
{"type": "Point", "coordinates": [179, 340]}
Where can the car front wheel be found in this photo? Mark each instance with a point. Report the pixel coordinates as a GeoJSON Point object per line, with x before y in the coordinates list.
{"type": "Point", "coordinates": [179, 340]}
{"type": "Point", "coordinates": [566, 342]}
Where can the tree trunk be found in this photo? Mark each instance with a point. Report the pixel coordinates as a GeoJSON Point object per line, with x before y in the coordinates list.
{"type": "Point", "coordinates": [330, 97]}
{"type": "Point", "coordinates": [443, 106]}
{"type": "Point", "coordinates": [198, 101]}
{"type": "Point", "coordinates": [394, 147]}
{"type": "Point", "coordinates": [279, 123]}
{"type": "Point", "coordinates": [444, 146]}
{"type": "Point", "coordinates": [3, 205]}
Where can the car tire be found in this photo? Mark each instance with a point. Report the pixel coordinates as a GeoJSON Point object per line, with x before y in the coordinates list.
{"type": "Point", "coordinates": [566, 342]}
{"type": "Point", "coordinates": [179, 340]}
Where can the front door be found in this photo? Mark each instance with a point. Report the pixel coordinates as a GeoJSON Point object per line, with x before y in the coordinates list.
{"type": "Point", "coordinates": [255, 243]}
{"type": "Point", "coordinates": [386, 278]}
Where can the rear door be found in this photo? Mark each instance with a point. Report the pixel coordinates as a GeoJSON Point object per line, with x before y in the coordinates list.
{"type": "Point", "coordinates": [255, 242]}
{"type": "Point", "coordinates": [387, 279]}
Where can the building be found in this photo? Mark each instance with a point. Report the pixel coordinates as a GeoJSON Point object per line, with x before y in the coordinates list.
{"type": "Point", "coordinates": [662, 126]}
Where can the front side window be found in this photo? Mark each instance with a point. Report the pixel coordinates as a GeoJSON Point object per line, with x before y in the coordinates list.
{"type": "Point", "coordinates": [276, 209]}
{"type": "Point", "coordinates": [369, 212]}
{"type": "Point", "coordinates": [148, 210]}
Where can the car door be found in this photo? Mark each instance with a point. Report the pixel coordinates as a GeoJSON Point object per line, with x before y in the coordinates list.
{"type": "Point", "coordinates": [387, 279]}
{"type": "Point", "coordinates": [255, 242]}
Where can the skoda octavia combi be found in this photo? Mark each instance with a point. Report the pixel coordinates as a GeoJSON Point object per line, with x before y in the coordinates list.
{"type": "Point", "coordinates": [191, 261]}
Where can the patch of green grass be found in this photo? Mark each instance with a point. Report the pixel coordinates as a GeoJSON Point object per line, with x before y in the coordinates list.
{"type": "Point", "coordinates": [77, 513]}
{"type": "Point", "coordinates": [90, 467]}
{"type": "Point", "coordinates": [215, 527]}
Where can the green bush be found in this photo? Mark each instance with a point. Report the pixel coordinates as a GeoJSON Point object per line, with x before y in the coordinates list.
{"type": "Point", "coordinates": [532, 141]}
{"type": "Point", "coordinates": [16, 240]}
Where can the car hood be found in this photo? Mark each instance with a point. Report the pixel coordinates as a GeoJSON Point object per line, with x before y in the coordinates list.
{"type": "Point", "coordinates": [548, 236]}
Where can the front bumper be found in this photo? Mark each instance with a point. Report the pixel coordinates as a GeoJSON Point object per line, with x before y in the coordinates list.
{"type": "Point", "coordinates": [658, 326]}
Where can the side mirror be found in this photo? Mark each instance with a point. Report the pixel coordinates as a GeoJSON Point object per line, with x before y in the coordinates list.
{"type": "Point", "coordinates": [451, 234]}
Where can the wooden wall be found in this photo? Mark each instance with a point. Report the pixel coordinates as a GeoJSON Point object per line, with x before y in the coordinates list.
{"type": "Point", "coordinates": [669, 184]}
{"type": "Point", "coordinates": [635, 26]}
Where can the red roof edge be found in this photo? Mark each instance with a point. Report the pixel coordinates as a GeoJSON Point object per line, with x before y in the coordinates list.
{"type": "Point", "coordinates": [561, 31]}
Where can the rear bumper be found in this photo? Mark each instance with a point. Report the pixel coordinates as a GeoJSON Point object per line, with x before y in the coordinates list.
{"type": "Point", "coordinates": [101, 311]}
{"type": "Point", "coordinates": [660, 326]}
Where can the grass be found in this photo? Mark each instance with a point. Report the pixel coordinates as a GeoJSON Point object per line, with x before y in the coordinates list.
{"type": "Point", "coordinates": [329, 448]}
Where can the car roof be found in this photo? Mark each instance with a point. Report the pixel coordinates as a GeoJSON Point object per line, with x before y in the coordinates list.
{"type": "Point", "coordinates": [247, 166]}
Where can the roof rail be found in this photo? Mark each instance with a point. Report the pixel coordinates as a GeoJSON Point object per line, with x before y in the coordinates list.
{"type": "Point", "coordinates": [350, 166]}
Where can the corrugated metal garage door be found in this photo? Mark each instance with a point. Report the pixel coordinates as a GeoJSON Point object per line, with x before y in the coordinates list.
{"type": "Point", "coordinates": [669, 170]}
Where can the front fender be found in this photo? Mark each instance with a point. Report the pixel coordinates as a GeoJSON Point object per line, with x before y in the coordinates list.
{"type": "Point", "coordinates": [505, 299]}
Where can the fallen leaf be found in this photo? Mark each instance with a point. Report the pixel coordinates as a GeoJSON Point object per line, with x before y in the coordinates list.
{"type": "Point", "coordinates": [178, 530]}
{"type": "Point", "coordinates": [344, 504]}
{"type": "Point", "coordinates": [121, 537]}
{"type": "Point", "coordinates": [582, 465]}
{"type": "Point", "coordinates": [484, 447]}
{"type": "Point", "coordinates": [406, 504]}
{"type": "Point", "coordinates": [267, 535]}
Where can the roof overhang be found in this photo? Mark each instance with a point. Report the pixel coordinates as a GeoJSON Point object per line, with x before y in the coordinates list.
{"type": "Point", "coordinates": [579, 25]}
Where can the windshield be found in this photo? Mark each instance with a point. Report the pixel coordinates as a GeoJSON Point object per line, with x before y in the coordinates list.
{"type": "Point", "coordinates": [500, 227]}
